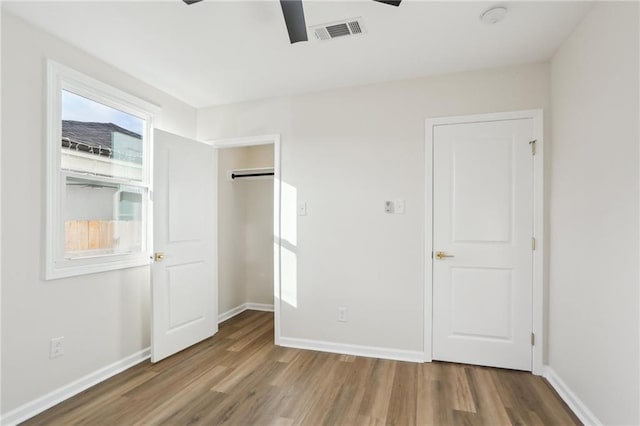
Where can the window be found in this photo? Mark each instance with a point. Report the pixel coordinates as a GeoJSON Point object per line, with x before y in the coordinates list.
{"type": "Point", "coordinates": [98, 177]}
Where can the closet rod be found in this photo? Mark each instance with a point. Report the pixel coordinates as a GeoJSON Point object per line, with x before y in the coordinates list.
{"type": "Point", "coordinates": [233, 175]}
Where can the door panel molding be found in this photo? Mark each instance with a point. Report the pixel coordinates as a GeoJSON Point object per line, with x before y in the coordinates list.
{"type": "Point", "coordinates": [538, 225]}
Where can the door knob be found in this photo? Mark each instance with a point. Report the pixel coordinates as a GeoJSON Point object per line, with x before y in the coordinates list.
{"type": "Point", "coordinates": [158, 257]}
{"type": "Point", "coordinates": [441, 255]}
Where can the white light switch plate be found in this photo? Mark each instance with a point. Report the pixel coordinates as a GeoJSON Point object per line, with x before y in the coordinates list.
{"type": "Point", "coordinates": [399, 206]}
{"type": "Point", "coordinates": [302, 208]}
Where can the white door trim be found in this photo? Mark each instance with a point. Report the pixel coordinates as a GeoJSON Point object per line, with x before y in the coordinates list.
{"type": "Point", "coordinates": [266, 140]}
{"type": "Point", "coordinates": [538, 226]}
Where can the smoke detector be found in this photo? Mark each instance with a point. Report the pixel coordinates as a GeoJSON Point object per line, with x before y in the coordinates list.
{"type": "Point", "coordinates": [338, 29]}
{"type": "Point", "coordinates": [493, 15]}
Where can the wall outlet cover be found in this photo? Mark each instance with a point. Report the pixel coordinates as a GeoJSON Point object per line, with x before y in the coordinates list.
{"type": "Point", "coordinates": [56, 347]}
{"type": "Point", "coordinates": [342, 314]}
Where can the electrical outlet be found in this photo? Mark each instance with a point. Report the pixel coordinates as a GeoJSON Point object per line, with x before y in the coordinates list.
{"type": "Point", "coordinates": [56, 347]}
{"type": "Point", "coordinates": [342, 314]}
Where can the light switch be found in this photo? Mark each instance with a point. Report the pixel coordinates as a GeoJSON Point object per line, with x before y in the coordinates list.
{"type": "Point", "coordinates": [398, 206]}
{"type": "Point", "coordinates": [302, 208]}
{"type": "Point", "coordinates": [388, 207]}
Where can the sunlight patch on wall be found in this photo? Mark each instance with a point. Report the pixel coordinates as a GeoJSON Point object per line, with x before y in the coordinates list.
{"type": "Point", "coordinates": [289, 277]}
{"type": "Point", "coordinates": [289, 219]}
{"type": "Point", "coordinates": [288, 241]}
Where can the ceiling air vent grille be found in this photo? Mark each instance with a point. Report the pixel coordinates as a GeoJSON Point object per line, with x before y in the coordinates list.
{"type": "Point", "coordinates": [354, 26]}
{"type": "Point", "coordinates": [338, 30]}
{"type": "Point", "coordinates": [329, 31]}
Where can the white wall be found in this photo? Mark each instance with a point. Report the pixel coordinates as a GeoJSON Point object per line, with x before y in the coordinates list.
{"type": "Point", "coordinates": [593, 341]}
{"type": "Point", "coordinates": [103, 317]}
{"type": "Point", "coordinates": [344, 152]}
{"type": "Point", "coordinates": [245, 230]}
{"type": "Point", "coordinates": [1, 236]}
{"type": "Point", "coordinates": [231, 288]}
{"type": "Point", "coordinates": [258, 235]}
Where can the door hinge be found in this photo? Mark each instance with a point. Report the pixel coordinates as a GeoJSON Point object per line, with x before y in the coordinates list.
{"type": "Point", "coordinates": [533, 146]}
{"type": "Point", "coordinates": [533, 243]}
{"type": "Point", "coordinates": [533, 339]}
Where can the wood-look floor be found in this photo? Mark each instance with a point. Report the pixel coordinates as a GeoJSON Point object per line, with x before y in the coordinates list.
{"type": "Point", "coordinates": [239, 377]}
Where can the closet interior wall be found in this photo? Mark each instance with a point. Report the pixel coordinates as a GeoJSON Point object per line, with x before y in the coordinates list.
{"type": "Point", "coordinates": [245, 229]}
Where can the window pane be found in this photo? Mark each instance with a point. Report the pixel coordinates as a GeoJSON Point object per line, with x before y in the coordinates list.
{"type": "Point", "coordinates": [102, 218]}
{"type": "Point", "coordinates": [100, 140]}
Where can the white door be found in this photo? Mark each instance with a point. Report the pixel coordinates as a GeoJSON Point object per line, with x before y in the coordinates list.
{"type": "Point", "coordinates": [184, 295]}
{"type": "Point", "coordinates": [482, 242]}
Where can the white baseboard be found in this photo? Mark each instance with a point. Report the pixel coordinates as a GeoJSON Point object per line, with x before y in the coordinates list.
{"type": "Point", "coordinates": [365, 351]}
{"type": "Point", "coordinates": [32, 408]}
{"type": "Point", "coordinates": [244, 307]}
{"type": "Point", "coordinates": [575, 404]}
{"type": "Point", "coordinates": [231, 313]}
{"type": "Point", "coordinates": [259, 307]}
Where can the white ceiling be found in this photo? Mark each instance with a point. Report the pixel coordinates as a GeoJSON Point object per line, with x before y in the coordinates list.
{"type": "Point", "coordinates": [217, 52]}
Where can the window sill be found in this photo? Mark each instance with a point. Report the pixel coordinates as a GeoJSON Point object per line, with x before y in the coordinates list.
{"type": "Point", "coordinates": [69, 268]}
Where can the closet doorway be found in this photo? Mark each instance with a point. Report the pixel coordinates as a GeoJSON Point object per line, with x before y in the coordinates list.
{"type": "Point", "coordinates": [248, 200]}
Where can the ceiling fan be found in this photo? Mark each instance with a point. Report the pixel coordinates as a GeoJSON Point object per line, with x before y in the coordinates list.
{"type": "Point", "coordinates": [294, 17]}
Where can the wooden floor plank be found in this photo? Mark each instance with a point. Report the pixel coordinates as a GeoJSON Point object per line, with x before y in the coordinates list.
{"type": "Point", "coordinates": [403, 403]}
{"type": "Point", "coordinates": [327, 392]}
{"type": "Point", "coordinates": [549, 407]}
{"type": "Point", "coordinates": [239, 377]}
{"type": "Point", "coordinates": [375, 403]}
{"type": "Point", "coordinates": [486, 398]}
{"type": "Point", "coordinates": [180, 402]}
{"type": "Point", "coordinates": [93, 399]}
{"type": "Point", "coordinates": [425, 408]}
{"type": "Point", "coordinates": [456, 378]}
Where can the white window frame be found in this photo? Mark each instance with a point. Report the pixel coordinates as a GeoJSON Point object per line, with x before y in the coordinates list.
{"type": "Point", "coordinates": [59, 78]}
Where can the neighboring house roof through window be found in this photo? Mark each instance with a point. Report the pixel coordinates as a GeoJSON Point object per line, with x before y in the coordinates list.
{"type": "Point", "coordinates": [104, 139]}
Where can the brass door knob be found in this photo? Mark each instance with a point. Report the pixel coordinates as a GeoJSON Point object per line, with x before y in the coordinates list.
{"type": "Point", "coordinates": [158, 257]}
{"type": "Point", "coordinates": [441, 255]}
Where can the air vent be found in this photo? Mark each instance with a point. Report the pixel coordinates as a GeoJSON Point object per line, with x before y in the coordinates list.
{"type": "Point", "coordinates": [338, 30]}
{"type": "Point", "coordinates": [354, 26]}
{"type": "Point", "coordinates": [331, 30]}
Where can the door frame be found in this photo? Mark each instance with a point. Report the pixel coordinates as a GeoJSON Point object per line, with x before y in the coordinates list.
{"type": "Point", "coordinates": [538, 226]}
{"type": "Point", "coordinates": [273, 139]}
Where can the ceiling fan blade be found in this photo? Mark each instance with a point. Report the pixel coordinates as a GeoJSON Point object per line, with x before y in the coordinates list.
{"type": "Point", "coordinates": [390, 2]}
{"type": "Point", "coordinates": [191, 1]}
{"type": "Point", "coordinates": [294, 19]}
